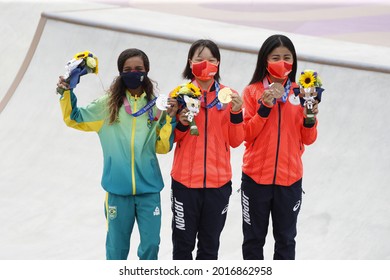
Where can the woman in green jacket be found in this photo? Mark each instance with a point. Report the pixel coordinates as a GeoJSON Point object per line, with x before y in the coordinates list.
{"type": "Point", "coordinates": [131, 132]}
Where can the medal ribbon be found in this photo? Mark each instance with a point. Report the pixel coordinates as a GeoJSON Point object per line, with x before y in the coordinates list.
{"type": "Point", "coordinates": [216, 101]}
{"type": "Point", "coordinates": [148, 107]}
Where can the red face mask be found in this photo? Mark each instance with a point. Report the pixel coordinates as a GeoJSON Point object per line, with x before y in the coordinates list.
{"type": "Point", "coordinates": [279, 69]}
{"type": "Point", "coordinates": [204, 70]}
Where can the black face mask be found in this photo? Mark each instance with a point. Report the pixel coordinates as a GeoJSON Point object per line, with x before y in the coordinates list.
{"type": "Point", "coordinates": [133, 80]}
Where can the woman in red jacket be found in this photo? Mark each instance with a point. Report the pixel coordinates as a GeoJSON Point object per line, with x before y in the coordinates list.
{"type": "Point", "coordinates": [275, 135]}
{"type": "Point", "coordinates": [201, 172]}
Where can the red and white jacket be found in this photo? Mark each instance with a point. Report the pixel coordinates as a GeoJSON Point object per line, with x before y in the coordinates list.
{"type": "Point", "coordinates": [274, 138]}
{"type": "Point", "coordinates": [204, 161]}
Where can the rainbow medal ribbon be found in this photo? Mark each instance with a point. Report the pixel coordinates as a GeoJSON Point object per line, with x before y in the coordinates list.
{"type": "Point", "coordinates": [147, 108]}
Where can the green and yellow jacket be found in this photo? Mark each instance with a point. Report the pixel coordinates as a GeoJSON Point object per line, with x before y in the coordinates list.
{"type": "Point", "coordinates": [129, 145]}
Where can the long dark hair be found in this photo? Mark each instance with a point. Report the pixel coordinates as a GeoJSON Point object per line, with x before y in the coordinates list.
{"type": "Point", "coordinates": [268, 46]}
{"type": "Point", "coordinates": [118, 89]}
{"type": "Point", "coordinates": [187, 73]}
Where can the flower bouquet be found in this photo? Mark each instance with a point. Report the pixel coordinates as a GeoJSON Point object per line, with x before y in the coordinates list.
{"type": "Point", "coordinates": [309, 91]}
{"type": "Point", "coordinates": [82, 63]}
{"type": "Point", "coordinates": [188, 95]}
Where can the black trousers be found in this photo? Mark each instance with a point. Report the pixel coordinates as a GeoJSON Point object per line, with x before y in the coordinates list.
{"type": "Point", "coordinates": [258, 202]}
{"type": "Point", "coordinates": [198, 213]}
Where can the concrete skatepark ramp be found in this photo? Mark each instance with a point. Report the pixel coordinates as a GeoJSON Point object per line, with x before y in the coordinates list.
{"type": "Point", "coordinates": [52, 202]}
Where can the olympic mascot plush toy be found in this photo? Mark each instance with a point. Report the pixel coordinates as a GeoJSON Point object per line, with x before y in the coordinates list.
{"type": "Point", "coordinates": [188, 95]}
{"type": "Point", "coordinates": [309, 91]}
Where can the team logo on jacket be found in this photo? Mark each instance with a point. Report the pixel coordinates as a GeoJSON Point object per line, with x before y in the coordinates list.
{"type": "Point", "coordinates": [112, 212]}
{"type": "Point", "coordinates": [296, 206]}
{"type": "Point", "coordinates": [294, 100]}
{"type": "Point", "coordinates": [224, 211]}
{"type": "Point", "coordinates": [156, 211]}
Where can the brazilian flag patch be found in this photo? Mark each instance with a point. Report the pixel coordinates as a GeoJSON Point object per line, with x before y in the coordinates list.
{"type": "Point", "coordinates": [112, 212]}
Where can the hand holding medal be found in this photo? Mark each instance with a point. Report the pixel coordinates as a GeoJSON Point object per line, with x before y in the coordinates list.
{"type": "Point", "coordinates": [164, 103]}
{"type": "Point", "coordinates": [272, 92]}
{"type": "Point", "coordinates": [277, 90]}
{"type": "Point", "coordinates": [225, 95]}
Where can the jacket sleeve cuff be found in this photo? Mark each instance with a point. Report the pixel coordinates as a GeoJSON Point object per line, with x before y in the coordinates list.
{"type": "Point", "coordinates": [182, 127]}
{"type": "Point", "coordinates": [264, 110]}
{"type": "Point", "coordinates": [236, 117]}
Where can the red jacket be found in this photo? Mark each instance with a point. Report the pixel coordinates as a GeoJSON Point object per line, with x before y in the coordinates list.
{"type": "Point", "coordinates": [204, 161]}
{"type": "Point", "coordinates": [274, 139]}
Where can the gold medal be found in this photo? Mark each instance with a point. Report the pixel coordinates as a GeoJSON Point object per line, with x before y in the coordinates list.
{"type": "Point", "coordinates": [225, 95]}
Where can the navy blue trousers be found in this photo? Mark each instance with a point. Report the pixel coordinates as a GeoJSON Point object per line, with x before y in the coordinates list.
{"type": "Point", "coordinates": [198, 213]}
{"type": "Point", "coordinates": [258, 202]}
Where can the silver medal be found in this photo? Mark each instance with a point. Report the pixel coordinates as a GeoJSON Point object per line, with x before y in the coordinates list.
{"type": "Point", "coordinates": [162, 102]}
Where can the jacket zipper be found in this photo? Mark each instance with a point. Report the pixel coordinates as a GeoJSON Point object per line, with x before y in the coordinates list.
{"type": "Point", "coordinates": [132, 149]}
{"type": "Point", "coordinates": [277, 147]}
{"type": "Point", "coordinates": [205, 141]}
